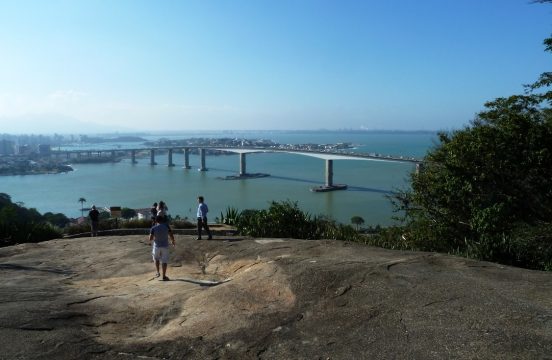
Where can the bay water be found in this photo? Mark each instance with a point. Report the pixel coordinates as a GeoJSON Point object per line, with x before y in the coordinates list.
{"type": "Point", "coordinates": [139, 185]}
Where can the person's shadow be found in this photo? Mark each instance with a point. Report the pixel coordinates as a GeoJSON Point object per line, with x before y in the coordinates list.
{"type": "Point", "coordinates": [208, 283]}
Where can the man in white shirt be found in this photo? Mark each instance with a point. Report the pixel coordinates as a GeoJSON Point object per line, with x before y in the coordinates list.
{"type": "Point", "coordinates": [202, 211]}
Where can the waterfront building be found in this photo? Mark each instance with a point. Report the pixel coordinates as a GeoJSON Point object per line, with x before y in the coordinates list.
{"type": "Point", "coordinates": [7, 147]}
{"type": "Point", "coordinates": [44, 149]}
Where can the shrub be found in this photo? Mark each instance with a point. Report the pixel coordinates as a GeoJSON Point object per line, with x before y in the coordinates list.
{"type": "Point", "coordinates": [528, 246]}
{"type": "Point", "coordinates": [127, 213]}
{"type": "Point", "coordinates": [58, 219]}
{"type": "Point", "coordinates": [84, 227]}
{"type": "Point", "coordinates": [21, 225]}
{"type": "Point", "coordinates": [182, 224]}
{"type": "Point", "coordinates": [77, 228]}
{"type": "Point", "coordinates": [285, 219]}
{"type": "Point", "coordinates": [27, 232]}
{"type": "Point", "coordinates": [136, 224]}
{"type": "Point", "coordinates": [231, 217]}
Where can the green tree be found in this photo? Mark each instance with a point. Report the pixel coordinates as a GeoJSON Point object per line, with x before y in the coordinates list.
{"type": "Point", "coordinates": [82, 201]}
{"type": "Point", "coordinates": [358, 221]}
{"type": "Point", "coordinates": [482, 184]}
{"type": "Point", "coordinates": [4, 199]}
{"type": "Point", "coordinates": [20, 225]}
{"type": "Point", "coordinates": [127, 213]}
{"type": "Point", "coordinates": [59, 219]}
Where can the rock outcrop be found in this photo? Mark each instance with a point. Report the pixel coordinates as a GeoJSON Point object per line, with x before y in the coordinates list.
{"type": "Point", "coordinates": [234, 298]}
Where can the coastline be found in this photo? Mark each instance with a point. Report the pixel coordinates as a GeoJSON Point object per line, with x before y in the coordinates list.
{"type": "Point", "coordinates": [291, 177]}
{"type": "Point", "coordinates": [59, 169]}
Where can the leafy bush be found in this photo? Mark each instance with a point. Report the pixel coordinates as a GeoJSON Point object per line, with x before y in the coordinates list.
{"type": "Point", "coordinates": [57, 219]}
{"type": "Point", "coordinates": [77, 228]}
{"type": "Point", "coordinates": [43, 231]}
{"type": "Point", "coordinates": [111, 224]}
{"type": "Point", "coordinates": [285, 219]}
{"type": "Point", "coordinates": [526, 246]}
{"type": "Point", "coordinates": [21, 225]}
{"type": "Point", "coordinates": [231, 217]}
{"type": "Point", "coordinates": [84, 227]}
{"type": "Point", "coordinates": [280, 220]}
{"type": "Point", "coordinates": [182, 224]}
{"type": "Point", "coordinates": [27, 232]}
{"type": "Point", "coordinates": [136, 224]}
{"type": "Point", "coordinates": [127, 213]}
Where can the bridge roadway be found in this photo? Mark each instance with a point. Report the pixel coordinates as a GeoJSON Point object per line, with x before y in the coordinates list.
{"type": "Point", "coordinates": [328, 156]}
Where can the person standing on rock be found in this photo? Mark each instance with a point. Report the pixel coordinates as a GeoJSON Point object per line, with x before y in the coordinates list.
{"type": "Point", "coordinates": [160, 234]}
{"type": "Point", "coordinates": [94, 216]}
{"type": "Point", "coordinates": [202, 211]}
{"type": "Point", "coordinates": [163, 210]}
{"type": "Point", "coordinates": [153, 213]}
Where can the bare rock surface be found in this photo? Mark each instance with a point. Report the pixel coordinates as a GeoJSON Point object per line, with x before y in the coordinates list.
{"type": "Point", "coordinates": [234, 298]}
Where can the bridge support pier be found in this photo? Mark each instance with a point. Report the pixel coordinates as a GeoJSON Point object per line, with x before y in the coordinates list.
{"type": "Point", "coordinates": [187, 158]}
{"type": "Point", "coordinates": [329, 185]}
{"type": "Point", "coordinates": [171, 164]}
{"type": "Point", "coordinates": [243, 170]}
{"type": "Point", "coordinates": [329, 172]}
{"type": "Point", "coordinates": [152, 157]}
{"type": "Point", "coordinates": [133, 156]}
{"type": "Point", "coordinates": [202, 155]}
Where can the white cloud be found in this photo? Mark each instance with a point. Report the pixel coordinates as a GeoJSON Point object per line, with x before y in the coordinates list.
{"type": "Point", "coordinates": [64, 96]}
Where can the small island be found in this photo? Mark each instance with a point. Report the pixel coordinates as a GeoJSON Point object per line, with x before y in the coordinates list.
{"type": "Point", "coordinates": [10, 166]}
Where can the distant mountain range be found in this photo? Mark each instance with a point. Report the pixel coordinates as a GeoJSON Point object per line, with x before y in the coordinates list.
{"type": "Point", "coordinates": [52, 123]}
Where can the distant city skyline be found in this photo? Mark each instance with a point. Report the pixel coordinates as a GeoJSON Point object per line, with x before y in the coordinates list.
{"type": "Point", "coordinates": [96, 66]}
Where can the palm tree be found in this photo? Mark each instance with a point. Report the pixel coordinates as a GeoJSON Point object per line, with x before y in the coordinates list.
{"type": "Point", "coordinates": [82, 201]}
{"type": "Point", "coordinates": [357, 220]}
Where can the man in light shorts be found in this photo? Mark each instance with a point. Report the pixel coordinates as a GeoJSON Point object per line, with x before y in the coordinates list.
{"type": "Point", "coordinates": [160, 234]}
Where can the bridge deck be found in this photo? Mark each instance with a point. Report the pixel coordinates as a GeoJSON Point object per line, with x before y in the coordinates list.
{"type": "Point", "coordinates": [326, 155]}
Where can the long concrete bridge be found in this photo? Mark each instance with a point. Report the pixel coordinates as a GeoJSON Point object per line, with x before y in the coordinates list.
{"type": "Point", "coordinates": [328, 156]}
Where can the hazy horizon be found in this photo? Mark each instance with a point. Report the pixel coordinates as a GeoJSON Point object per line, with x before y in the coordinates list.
{"type": "Point", "coordinates": [222, 131]}
{"type": "Point", "coordinates": [92, 67]}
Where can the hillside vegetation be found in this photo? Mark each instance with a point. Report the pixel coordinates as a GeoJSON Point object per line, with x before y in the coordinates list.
{"type": "Point", "coordinates": [485, 191]}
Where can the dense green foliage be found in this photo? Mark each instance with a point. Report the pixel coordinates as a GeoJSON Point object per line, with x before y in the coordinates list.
{"type": "Point", "coordinates": [231, 216]}
{"type": "Point", "coordinates": [128, 213]}
{"type": "Point", "coordinates": [21, 225]}
{"type": "Point", "coordinates": [486, 191]}
{"type": "Point", "coordinates": [84, 227]}
{"type": "Point", "coordinates": [286, 220]}
{"type": "Point", "coordinates": [112, 224]}
{"type": "Point", "coordinates": [182, 224]}
{"type": "Point", "coordinates": [146, 224]}
{"type": "Point", "coordinates": [59, 219]}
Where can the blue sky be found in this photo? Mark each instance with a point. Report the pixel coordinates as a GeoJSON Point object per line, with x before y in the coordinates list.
{"type": "Point", "coordinates": [134, 65]}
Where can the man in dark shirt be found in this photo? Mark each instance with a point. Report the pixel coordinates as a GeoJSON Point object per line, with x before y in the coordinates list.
{"type": "Point", "coordinates": [94, 216]}
{"type": "Point", "coordinates": [159, 235]}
